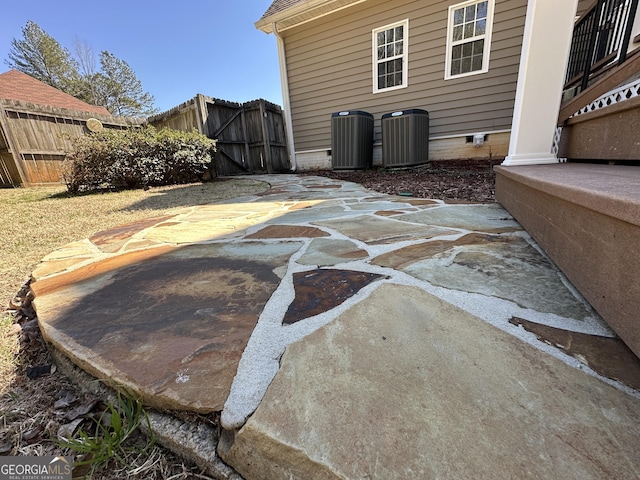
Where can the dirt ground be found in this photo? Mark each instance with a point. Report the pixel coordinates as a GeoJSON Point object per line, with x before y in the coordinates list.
{"type": "Point", "coordinates": [34, 409]}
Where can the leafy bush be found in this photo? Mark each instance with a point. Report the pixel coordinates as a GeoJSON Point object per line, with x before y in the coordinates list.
{"type": "Point", "coordinates": [138, 157]}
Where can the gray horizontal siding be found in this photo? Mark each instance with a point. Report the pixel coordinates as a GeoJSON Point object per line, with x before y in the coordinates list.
{"type": "Point", "coordinates": [329, 68]}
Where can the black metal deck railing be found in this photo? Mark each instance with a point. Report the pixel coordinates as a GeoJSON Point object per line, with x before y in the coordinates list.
{"type": "Point", "coordinates": [600, 40]}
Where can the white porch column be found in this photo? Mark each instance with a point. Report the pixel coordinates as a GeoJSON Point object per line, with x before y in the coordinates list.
{"type": "Point", "coordinates": [543, 61]}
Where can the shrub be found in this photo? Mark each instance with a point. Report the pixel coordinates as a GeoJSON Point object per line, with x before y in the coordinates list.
{"type": "Point", "coordinates": [138, 157]}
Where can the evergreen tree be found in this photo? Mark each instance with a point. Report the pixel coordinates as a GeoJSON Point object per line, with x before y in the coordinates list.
{"type": "Point", "coordinates": [119, 90]}
{"type": "Point", "coordinates": [114, 87]}
{"type": "Point", "coordinates": [39, 55]}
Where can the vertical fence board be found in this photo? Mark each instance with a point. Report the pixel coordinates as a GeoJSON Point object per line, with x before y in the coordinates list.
{"type": "Point", "coordinates": [251, 136]}
{"type": "Point", "coordinates": [266, 137]}
{"type": "Point", "coordinates": [14, 157]}
{"type": "Point", "coordinates": [185, 117]}
{"type": "Point", "coordinates": [9, 174]}
{"type": "Point", "coordinates": [38, 137]}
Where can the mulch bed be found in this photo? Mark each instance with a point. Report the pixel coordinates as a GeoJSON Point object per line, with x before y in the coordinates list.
{"type": "Point", "coordinates": [451, 180]}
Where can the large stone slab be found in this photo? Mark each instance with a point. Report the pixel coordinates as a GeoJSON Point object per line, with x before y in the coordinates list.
{"type": "Point", "coordinates": [490, 218]}
{"type": "Point", "coordinates": [114, 239]}
{"type": "Point", "coordinates": [506, 267]}
{"type": "Point", "coordinates": [325, 210]}
{"type": "Point", "coordinates": [171, 328]}
{"type": "Point", "coordinates": [287, 231]}
{"type": "Point", "coordinates": [378, 230]}
{"type": "Point", "coordinates": [325, 251]}
{"type": "Point", "coordinates": [404, 385]}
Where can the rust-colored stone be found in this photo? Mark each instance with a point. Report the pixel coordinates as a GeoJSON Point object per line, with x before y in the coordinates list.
{"type": "Point", "coordinates": [301, 205]}
{"type": "Point", "coordinates": [288, 231]}
{"type": "Point", "coordinates": [171, 328]}
{"type": "Point", "coordinates": [403, 257]}
{"type": "Point", "coordinates": [48, 285]}
{"type": "Point", "coordinates": [610, 357]}
{"type": "Point", "coordinates": [389, 213]}
{"type": "Point", "coordinates": [112, 240]}
{"type": "Point", "coordinates": [321, 290]}
{"type": "Point", "coordinates": [415, 201]}
{"type": "Point", "coordinates": [272, 191]}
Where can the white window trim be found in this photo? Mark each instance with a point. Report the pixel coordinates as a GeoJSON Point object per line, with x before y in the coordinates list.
{"type": "Point", "coordinates": [487, 40]}
{"type": "Point", "coordinates": [405, 56]}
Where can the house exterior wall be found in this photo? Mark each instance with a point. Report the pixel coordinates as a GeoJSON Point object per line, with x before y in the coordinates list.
{"type": "Point", "coordinates": [329, 69]}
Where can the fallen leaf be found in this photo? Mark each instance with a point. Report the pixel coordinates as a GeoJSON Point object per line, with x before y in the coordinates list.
{"type": "Point", "coordinates": [66, 400]}
{"type": "Point", "coordinates": [67, 430]}
{"type": "Point", "coordinates": [85, 407]}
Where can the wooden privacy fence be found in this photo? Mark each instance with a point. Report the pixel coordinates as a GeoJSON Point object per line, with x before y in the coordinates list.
{"type": "Point", "coordinates": [250, 136]}
{"type": "Point", "coordinates": [34, 139]}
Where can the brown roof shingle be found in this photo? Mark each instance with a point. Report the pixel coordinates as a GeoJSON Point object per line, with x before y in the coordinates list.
{"type": "Point", "coordinates": [280, 5]}
{"type": "Point", "coordinates": [289, 13]}
{"type": "Point", "coordinates": [15, 85]}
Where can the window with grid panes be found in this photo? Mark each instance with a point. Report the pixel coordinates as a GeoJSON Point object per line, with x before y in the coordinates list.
{"type": "Point", "coordinates": [469, 38]}
{"type": "Point", "coordinates": [390, 56]}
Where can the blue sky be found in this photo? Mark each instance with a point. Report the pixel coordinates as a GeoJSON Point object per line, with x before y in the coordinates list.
{"type": "Point", "coordinates": [176, 48]}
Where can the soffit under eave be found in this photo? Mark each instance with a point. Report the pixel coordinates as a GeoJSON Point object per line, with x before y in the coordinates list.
{"type": "Point", "coordinates": [298, 15]}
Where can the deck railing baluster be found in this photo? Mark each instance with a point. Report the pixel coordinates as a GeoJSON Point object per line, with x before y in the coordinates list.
{"type": "Point", "coordinates": [600, 39]}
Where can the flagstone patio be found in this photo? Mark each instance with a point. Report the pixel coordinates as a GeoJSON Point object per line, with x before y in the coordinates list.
{"type": "Point", "coordinates": [348, 334]}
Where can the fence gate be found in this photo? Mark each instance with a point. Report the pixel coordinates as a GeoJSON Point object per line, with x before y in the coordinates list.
{"type": "Point", "coordinates": [251, 137]}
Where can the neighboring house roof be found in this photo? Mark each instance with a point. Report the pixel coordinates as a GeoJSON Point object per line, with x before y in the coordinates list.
{"type": "Point", "coordinates": [15, 85]}
{"type": "Point", "coordinates": [289, 13]}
